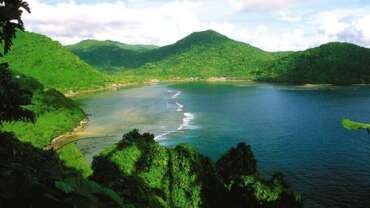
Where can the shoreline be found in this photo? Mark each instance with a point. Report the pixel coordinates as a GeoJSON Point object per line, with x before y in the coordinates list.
{"type": "Point", "coordinates": [62, 140]}
{"type": "Point", "coordinates": [118, 85]}
{"type": "Point", "coordinates": [114, 86]}
{"type": "Point", "coordinates": [72, 136]}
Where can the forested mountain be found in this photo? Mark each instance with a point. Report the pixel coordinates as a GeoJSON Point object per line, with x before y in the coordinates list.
{"type": "Point", "coordinates": [334, 63]}
{"type": "Point", "coordinates": [89, 44]}
{"type": "Point", "coordinates": [205, 53]}
{"type": "Point", "coordinates": [210, 54]}
{"type": "Point", "coordinates": [52, 64]}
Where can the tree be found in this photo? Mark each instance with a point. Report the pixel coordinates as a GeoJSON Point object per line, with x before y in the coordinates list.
{"type": "Point", "coordinates": [13, 97]}
{"type": "Point", "coordinates": [10, 20]}
{"type": "Point", "coordinates": [237, 162]}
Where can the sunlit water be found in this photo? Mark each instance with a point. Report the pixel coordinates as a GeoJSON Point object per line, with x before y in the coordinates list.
{"type": "Point", "coordinates": [295, 130]}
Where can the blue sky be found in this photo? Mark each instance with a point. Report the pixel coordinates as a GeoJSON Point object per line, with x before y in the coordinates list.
{"type": "Point", "coordinates": [272, 25]}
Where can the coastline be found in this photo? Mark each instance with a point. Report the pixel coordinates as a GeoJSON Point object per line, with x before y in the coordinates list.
{"type": "Point", "coordinates": [67, 138]}
{"type": "Point", "coordinates": [114, 86]}
{"type": "Point", "coordinates": [72, 136]}
{"type": "Point", "coordinates": [153, 81]}
{"type": "Point", "coordinates": [118, 85]}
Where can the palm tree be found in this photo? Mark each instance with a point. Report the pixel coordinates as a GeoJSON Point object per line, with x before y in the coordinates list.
{"type": "Point", "coordinates": [10, 20]}
{"type": "Point", "coordinates": [13, 97]}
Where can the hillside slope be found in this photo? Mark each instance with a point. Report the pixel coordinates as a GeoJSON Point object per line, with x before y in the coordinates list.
{"type": "Point", "coordinates": [333, 63]}
{"type": "Point", "coordinates": [110, 55]}
{"type": "Point", "coordinates": [203, 54]}
{"type": "Point", "coordinates": [50, 63]}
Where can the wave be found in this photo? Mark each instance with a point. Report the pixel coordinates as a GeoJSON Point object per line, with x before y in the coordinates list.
{"type": "Point", "coordinates": [162, 136]}
{"type": "Point", "coordinates": [178, 93]}
{"type": "Point", "coordinates": [179, 107]}
{"type": "Point", "coordinates": [186, 121]}
{"type": "Point", "coordinates": [186, 124]}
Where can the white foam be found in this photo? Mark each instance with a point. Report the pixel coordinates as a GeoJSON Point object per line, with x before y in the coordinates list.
{"type": "Point", "coordinates": [178, 93]}
{"type": "Point", "coordinates": [162, 136]}
{"type": "Point", "coordinates": [186, 121]}
{"type": "Point", "coordinates": [179, 107]}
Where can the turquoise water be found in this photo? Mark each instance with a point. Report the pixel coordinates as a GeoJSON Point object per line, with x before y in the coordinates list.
{"type": "Point", "coordinates": [295, 130]}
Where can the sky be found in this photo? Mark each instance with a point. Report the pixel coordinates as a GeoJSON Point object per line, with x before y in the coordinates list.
{"type": "Point", "coordinates": [273, 25]}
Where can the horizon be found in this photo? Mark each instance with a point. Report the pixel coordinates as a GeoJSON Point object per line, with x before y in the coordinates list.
{"type": "Point", "coordinates": [283, 25]}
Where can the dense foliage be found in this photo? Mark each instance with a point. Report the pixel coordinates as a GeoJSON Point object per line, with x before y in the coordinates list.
{"type": "Point", "coordinates": [54, 115]}
{"type": "Point", "coordinates": [209, 54]}
{"type": "Point", "coordinates": [13, 97]}
{"type": "Point", "coordinates": [146, 174]}
{"type": "Point", "coordinates": [50, 63]}
{"type": "Point", "coordinates": [202, 54]}
{"type": "Point", "coordinates": [10, 20]}
{"type": "Point", "coordinates": [333, 63]}
{"type": "Point", "coordinates": [109, 55]}
{"type": "Point", "coordinates": [31, 177]}
{"type": "Point", "coordinates": [238, 161]}
{"type": "Point", "coordinates": [90, 44]}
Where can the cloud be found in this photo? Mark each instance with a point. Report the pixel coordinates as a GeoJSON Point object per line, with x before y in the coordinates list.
{"type": "Point", "coordinates": [164, 22]}
{"type": "Point", "coordinates": [69, 22]}
{"type": "Point", "coordinates": [345, 25]}
{"type": "Point", "coordinates": [262, 4]}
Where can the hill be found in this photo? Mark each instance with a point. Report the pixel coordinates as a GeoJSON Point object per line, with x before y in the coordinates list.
{"type": "Point", "coordinates": [89, 44]}
{"type": "Point", "coordinates": [146, 174]}
{"type": "Point", "coordinates": [204, 54]}
{"type": "Point", "coordinates": [53, 65]}
{"type": "Point", "coordinates": [110, 55]}
{"type": "Point", "coordinates": [333, 63]}
{"type": "Point", "coordinates": [210, 54]}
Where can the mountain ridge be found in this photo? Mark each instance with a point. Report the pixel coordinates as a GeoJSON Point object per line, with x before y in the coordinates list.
{"type": "Point", "coordinates": [196, 47]}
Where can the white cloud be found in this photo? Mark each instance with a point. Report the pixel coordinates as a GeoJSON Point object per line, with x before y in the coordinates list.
{"type": "Point", "coordinates": [166, 22]}
{"type": "Point", "coordinates": [70, 22]}
{"type": "Point", "coordinates": [363, 26]}
{"type": "Point", "coordinates": [289, 17]}
{"type": "Point", "coordinates": [262, 4]}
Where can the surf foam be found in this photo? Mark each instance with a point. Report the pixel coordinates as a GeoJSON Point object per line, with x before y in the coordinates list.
{"type": "Point", "coordinates": [178, 93]}
{"type": "Point", "coordinates": [186, 121]}
{"type": "Point", "coordinates": [179, 107]}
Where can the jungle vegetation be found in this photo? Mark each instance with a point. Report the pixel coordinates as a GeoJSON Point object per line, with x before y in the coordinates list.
{"type": "Point", "coordinates": [146, 174]}
{"type": "Point", "coordinates": [47, 61]}
{"type": "Point", "coordinates": [210, 54]}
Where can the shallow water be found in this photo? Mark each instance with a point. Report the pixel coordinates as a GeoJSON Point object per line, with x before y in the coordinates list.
{"type": "Point", "coordinates": [296, 130]}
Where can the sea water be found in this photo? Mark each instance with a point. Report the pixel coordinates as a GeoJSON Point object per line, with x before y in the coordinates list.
{"type": "Point", "coordinates": [295, 130]}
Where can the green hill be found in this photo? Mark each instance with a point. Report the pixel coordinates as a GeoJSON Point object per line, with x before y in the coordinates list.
{"type": "Point", "coordinates": [53, 65]}
{"type": "Point", "coordinates": [334, 63]}
{"type": "Point", "coordinates": [106, 55]}
{"type": "Point", "coordinates": [146, 174]}
{"type": "Point", "coordinates": [201, 54]}
{"type": "Point", "coordinates": [210, 54]}
{"type": "Point", "coordinates": [110, 55]}
{"type": "Point", "coordinates": [89, 44]}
